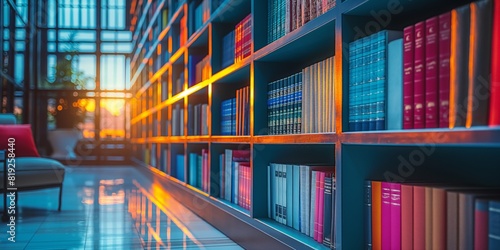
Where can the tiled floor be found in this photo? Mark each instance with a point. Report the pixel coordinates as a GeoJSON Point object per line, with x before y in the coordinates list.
{"type": "Point", "coordinates": [109, 208]}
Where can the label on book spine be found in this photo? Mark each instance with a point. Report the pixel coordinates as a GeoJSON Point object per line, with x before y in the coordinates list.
{"type": "Point", "coordinates": [419, 77]}
{"type": "Point", "coordinates": [408, 55]}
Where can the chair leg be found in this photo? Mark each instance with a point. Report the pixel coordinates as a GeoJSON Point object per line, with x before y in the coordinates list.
{"type": "Point", "coordinates": [60, 198]}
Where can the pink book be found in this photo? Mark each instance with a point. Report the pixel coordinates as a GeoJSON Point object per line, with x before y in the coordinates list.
{"type": "Point", "coordinates": [406, 217]}
{"type": "Point", "coordinates": [419, 77]}
{"type": "Point", "coordinates": [395, 216]}
{"type": "Point", "coordinates": [481, 224]}
{"type": "Point", "coordinates": [438, 218]}
{"type": "Point", "coordinates": [321, 205]}
{"type": "Point", "coordinates": [444, 69]}
{"type": "Point", "coordinates": [418, 217]}
{"type": "Point", "coordinates": [247, 191]}
{"type": "Point", "coordinates": [408, 55]}
{"type": "Point", "coordinates": [316, 208]}
{"type": "Point", "coordinates": [431, 72]}
{"type": "Point", "coordinates": [386, 215]}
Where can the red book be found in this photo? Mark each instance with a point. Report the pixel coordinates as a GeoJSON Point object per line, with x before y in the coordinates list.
{"type": "Point", "coordinates": [418, 217]}
{"type": "Point", "coordinates": [495, 65]}
{"type": "Point", "coordinates": [321, 206]}
{"type": "Point", "coordinates": [444, 69]}
{"type": "Point", "coordinates": [431, 72]}
{"type": "Point", "coordinates": [408, 55]}
{"type": "Point", "coordinates": [419, 77]}
{"type": "Point", "coordinates": [386, 215]}
{"type": "Point", "coordinates": [395, 216]}
{"type": "Point", "coordinates": [406, 217]}
{"type": "Point", "coordinates": [481, 224]}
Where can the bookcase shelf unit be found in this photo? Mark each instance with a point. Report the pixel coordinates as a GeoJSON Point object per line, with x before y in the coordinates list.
{"type": "Point", "coordinates": [459, 155]}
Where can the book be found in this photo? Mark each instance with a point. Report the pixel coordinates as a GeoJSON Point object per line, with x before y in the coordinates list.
{"type": "Point", "coordinates": [386, 215]}
{"type": "Point", "coordinates": [368, 214]}
{"type": "Point", "coordinates": [494, 223]}
{"type": "Point", "coordinates": [481, 224]}
{"type": "Point", "coordinates": [408, 76]}
{"type": "Point", "coordinates": [376, 215]}
{"type": "Point", "coordinates": [419, 77]}
{"type": "Point", "coordinates": [431, 71]}
{"type": "Point", "coordinates": [480, 63]}
{"type": "Point", "coordinates": [444, 68]}
{"type": "Point", "coordinates": [395, 213]}
{"type": "Point", "coordinates": [419, 217]}
{"type": "Point", "coordinates": [394, 86]}
{"type": "Point", "coordinates": [406, 217]}
{"type": "Point", "coordinates": [460, 30]}
{"type": "Point", "coordinates": [438, 218]}
{"type": "Point", "coordinates": [494, 113]}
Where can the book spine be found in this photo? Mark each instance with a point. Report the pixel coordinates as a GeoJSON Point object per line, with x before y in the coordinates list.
{"type": "Point", "coordinates": [438, 218]}
{"type": "Point", "coordinates": [321, 205]}
{"type": "Point", "coordinates": [406, 217]}
{"type": "Point", "coordinates": [479, 63]}
{"type": "Point", "coordinates": [495, 65]}
{"type": "Point", "coordinates": [444, 69]}
{"type": "Point", "coordinates": [494, 224]}
{"type": "Point", "coordinates": [451, 221]}
{"type": "Point", "coordinates": [481, 224]}
{"type": "Point", "coordinates": [431, 72]}
{"type": "Point", "coordinates": [428, 218]}
{"type": "Point", "coordinates": [376, 200]}
{"type": "Point", "coordinates": [295, 197]}
{"type": "Point", "coordinates": [459, 70]}
{"type": "Point", "coordinates": [408, 77]}
{"type": "Point", "coordinates": [419, 77]}
{"type": "Point", "coordinates": [394, 86]}
{"type": "Point", "coordinates": [327, 208]}
{"type": "Point", "coordinates": [465, 221]}
{"type": "Point", "coordinates": [386, 215]}
{"type": "Point", "coordinates": [418, 217]}
{"type": "Point", "coordinates": [316, 205]}
{"type": "Point", "coordinates": [395, 215]}
{"type": "Point", "coordinates": [368, 214]}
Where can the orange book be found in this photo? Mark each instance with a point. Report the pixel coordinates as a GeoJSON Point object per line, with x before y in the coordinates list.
{"type": "Point", "coordinates": [406, 217]}
{"type": "Point", "coordinates": [376, 215]}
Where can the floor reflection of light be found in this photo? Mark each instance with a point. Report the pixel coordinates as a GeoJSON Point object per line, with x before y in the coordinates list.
{"type": "Point", "coordinates": [111, 192]}
{"type": "Point", "coordinates": [88, 196]}
{"type": "Point", "coordinates": [171, 217]}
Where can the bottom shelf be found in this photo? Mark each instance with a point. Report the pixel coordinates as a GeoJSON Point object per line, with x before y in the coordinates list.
{"type": "Point", "coordinates": [292, 233]}
{"type": "Point", "coordinates": [250, 233]}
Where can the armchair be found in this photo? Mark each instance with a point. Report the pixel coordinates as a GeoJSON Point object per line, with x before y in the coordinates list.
{"type": "Point", "coordinates": [31, 173]}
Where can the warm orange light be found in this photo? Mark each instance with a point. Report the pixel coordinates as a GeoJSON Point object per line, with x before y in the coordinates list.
{"type": "Point", "coordinates": [472, 45]}
{"type": "Point", "coordinates": [59, 107]}
{"type": "Point", "coordinates": [453, 69]}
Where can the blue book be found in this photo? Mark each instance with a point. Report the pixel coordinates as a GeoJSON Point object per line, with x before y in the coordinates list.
{"type": "Point", "coordinates": [179, 173]}
{"type": "Point", "coordinates": [193, 60]}
{"type": "Point", "coordinates": [368, 214]}
{"type": "Point", "coordinates": [233, 116]}
{"type": "Point", "coordinates": [296, 199]}
{"type": "Point", "coordinates": [228, 49]}
{"type": "Point", "coordinates": [395, 85]}
{"type": "Point", "coordinates": [494, 225]}
{"type": "Point", "coordinates": [193, 161]}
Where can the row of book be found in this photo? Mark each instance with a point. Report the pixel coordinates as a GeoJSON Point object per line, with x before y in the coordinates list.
{"type": "Point", "coordinates": [368, 75]}
{"type": "Point", "coordinates": [199, 69]}
{"type": "Point", "coordinates": [284, 105]}
{"type": "Point", "coordinates": [303, 197]}
{"type": "Point", "coordinates": [199, 173]}
{"type": "Point", "coordinates": [447, 62]}
{"type": "Point", "coordinates": [198, 119]}
{"type": "Point", "coordinates": [227, 49]}
{"type": "Point", "coordinates": [435, 73]}
{"type": "Point", "coordinates": [235, 114]}
{"type": "Point", "coordinates": [303, 102]}
{"type": "Point", "coordinates": [235, 177]}
{"type": "Point", "coordinates": [243, 39]}
{"type": "Point", "coordinates": [431, 216]}
{"type": "Point", "coordinates": [285, 16]}
{"type": "Point", "coordinates": [201, 14]}
{"type": "Point", "coordinates": [228, 117]}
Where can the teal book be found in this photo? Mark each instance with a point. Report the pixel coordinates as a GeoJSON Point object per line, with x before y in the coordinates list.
{"type": "Point", "coordinates": [395, 85]}
{"type": "Point", "coordinates": [193, 176]}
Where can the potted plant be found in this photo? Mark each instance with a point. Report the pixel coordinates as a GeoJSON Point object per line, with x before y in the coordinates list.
{"type": "Point", "coordinates": [69, 111]}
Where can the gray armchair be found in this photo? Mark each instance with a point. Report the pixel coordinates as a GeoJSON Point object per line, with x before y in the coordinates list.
{"type": "Point", "coordinates": [32, 173]}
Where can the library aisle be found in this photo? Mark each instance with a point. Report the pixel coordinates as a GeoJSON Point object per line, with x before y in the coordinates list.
{"type": "Point", "coordinates": [109, 208]}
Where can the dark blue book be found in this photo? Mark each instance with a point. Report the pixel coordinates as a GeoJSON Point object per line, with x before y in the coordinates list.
{"type": "Point", "coordinates": [494, 225]}
{"type": "Point", "coordinates": [193, 60]}
{"type": "Point", "coordinates": [233, 116]}
{"type": "Point", "coordinates": [228, 49]}
{"type": "Point", "coordinates": [368, 214]}
{"type": "Point", "coordinates": [328, 212]}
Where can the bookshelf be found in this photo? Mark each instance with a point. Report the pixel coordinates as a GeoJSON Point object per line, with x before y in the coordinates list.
{"type": "Point", "coordinates": [357, 156]}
